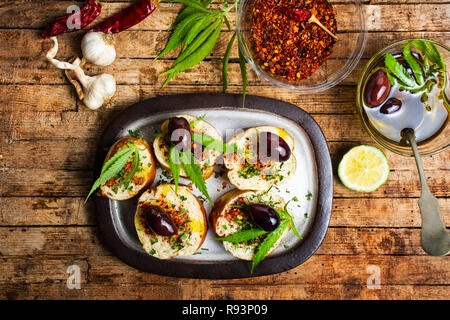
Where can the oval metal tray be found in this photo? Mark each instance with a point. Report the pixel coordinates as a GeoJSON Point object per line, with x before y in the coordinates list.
{"type": "Point", "coordinates": [225, 112]}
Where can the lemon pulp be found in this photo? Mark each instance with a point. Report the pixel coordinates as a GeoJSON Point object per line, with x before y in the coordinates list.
{"type": "Point", "coordinates": [364, 168]}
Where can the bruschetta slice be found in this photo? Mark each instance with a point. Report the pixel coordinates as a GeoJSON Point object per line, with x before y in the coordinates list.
{"type": "Point", "coordinates": [268, 159]}
{"type": "Point", "coordinates": [143, 177]}
{"type": "Point", "coordinates": [170, 224]}
{"type": "Point", "coordinates": [205, 157]}
{"type": "Point", "coordinates": [231, 215]}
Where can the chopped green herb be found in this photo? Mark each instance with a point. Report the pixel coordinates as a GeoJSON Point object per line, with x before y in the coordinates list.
{"type": "Point", "coordinates": [135, 134]}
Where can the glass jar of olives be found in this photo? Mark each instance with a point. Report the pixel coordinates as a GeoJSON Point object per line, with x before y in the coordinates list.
{"type": "Point", "coordinates": [406, 85]}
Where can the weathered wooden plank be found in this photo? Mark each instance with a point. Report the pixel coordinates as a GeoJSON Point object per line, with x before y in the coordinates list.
{"type": "Point", "coordinates": [51, 241]}
{"type": "Point", "coordinates": [401, 17]}
{"type": "Point", "coordinates": [81, 241]}
{"type": "Point", "coordinates": [48, 154]}
{"type": "Point", "coordinates": [60, 183]}
{"type": "Point", "coordinates": [350, 270]}
{"type": "Point", "coordinates": [86, 124]}
{"type": "Point", "coordinates": [36, 270]}
{"type": "Point", "coordinates": [201, 291]}
{"type": "Point", "coordinates": [26, 44]}
{"type": "Point", "coordinates": [347, 212]}
{"type": "Point", "coordinates": [39, 211]}
{"type": "Point", "coordinates": [341, 277]}
{"type": "Point", "coordinates": [337, 100]}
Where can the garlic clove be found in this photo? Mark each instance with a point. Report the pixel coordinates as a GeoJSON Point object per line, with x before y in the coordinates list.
{"type": "Point", "coordinates": [99, 90]}
{"type": "Point", "coordinates": [98, 48]}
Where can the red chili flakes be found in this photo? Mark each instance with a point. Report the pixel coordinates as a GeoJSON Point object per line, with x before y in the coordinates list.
{"type": "Point", "coordinates": [289, 49]}
{"type": "Point", "coordinates": [235, 212]}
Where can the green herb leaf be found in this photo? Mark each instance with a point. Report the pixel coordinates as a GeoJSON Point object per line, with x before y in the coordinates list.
{"type": "Point", "coordinates": [192, 4]}
{"type": "Point", "coordinates": [192, 124]}
{"type": "Point", "coordinates": [194, 172]}
{"type": "Point", "coordinates": [112, 167]}
{"type": "Point", "coordinates": [160, 134]}
{"type": "Point", "coordinates": [243, 235]}
{"type": "Point", "coordinates": [196, 57]}
{"type": "Point", "coordinates": [412, 62]}
{"type": "Point", "coordinates": [243, 67]}
{"type": "Point", "coordinates": [177, 38]}
{"type": "Point", "coordinates": [399, 71]}
{"type": "Point", "coordinates": [430, 51]}
{"type": "Point", "coordinates": [227, 22]}
{"type": "Point", "coordinates": [268, 243]}
{"type": "Point", "coordinates": [284, 215]}
{"type": "Point", "coordinates": [133, 169]}
{"type": "Point", "coordinates": [225, 61]}
{"type": "Point", "coordinates": [135, 134]}
{"type": "Point", "coordinates": [214, 144]}
{"type": "Point", "coordinates": [197, 28]}
{"type": "Point", "coordinates": [116, 156]}
{"type": "Point", "coordinates": [174, 165]}
{"type": "Point", "coordinates": [186, 12]}
{"type": "Point", "coordinates": [197, 42]}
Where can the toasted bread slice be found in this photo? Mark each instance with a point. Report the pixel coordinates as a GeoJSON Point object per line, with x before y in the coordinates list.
{"type": "Point", "coordinates": [245, 172]}
{"type": "Point", "coordinates": [141, 179]}
{"type": "Point", "coordinates": [185, 210]}
{"type": "Point", "coordinates": [208, 156]}
{"type": "Point", "coordinates": [226, 219]}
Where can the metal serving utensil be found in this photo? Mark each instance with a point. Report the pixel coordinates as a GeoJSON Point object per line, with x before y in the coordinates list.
{"type": "Point", "coordinates": [434, 235]}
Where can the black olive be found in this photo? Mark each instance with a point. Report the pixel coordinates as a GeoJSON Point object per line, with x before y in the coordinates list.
{"type": "Point", "coordinates": [391, 106]}
{"type": "Point", "coordinates": [265, 216]}
{"type": "Point", "coordinates": [377, 88]}
{"type": "Point", "coordinates": [180, 133]}
{"type": "Point", "coordinates": [159, 221]}
{"type": "Point", "coordinates": [272, 147]}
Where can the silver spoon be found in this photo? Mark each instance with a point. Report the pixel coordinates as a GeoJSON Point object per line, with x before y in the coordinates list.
{"type": "Point", "coordinates": [434, 235]}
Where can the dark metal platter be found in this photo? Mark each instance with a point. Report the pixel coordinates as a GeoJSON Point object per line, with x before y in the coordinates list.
{"type": "Point", "coordinates": [117, 232]}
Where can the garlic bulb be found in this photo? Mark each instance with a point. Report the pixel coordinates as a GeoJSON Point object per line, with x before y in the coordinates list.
{"type": "Point", "coordinates": [98, 48]}
{"type": "Point", "coordinates": [98, 90]}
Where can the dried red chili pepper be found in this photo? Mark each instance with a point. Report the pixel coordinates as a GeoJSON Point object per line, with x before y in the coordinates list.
{"type": "Point", "coordinates": [90, 10]}
{"type": "Point", "coordinates": [296, 14]}
{"type": "Point", "coordinates": [126, 18]}
{"type": "Point", "coordinates": [302, 15]}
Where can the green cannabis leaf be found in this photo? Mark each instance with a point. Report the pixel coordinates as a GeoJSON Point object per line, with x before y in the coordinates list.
{"type": "Point", "coordinates": [192, 124]}
{"type": "Point", "coordinates": [243, 67]}
{"type": "Point", "coordinates": [194, 172]}
{"type": "Point", "coordinates": [174, 165]}
{"type": "Point", "coordinates": [196, 30]}
{"type": "Point", "coordinates": [243, 235]}
{"type": "Point", "coordinates": [226, 59]}
{"type": "Point", "coordinates": [214, 144]}
{"type": "Point", "coordinates": [268, 243]}
{"type": "Point", "coordinates": [115, 164]}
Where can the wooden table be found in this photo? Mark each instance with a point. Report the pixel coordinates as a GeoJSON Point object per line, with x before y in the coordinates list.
{"type": "Point", "coordinates": [47, 147]}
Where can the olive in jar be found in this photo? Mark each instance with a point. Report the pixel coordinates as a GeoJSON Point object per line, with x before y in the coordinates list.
{"type": "Point", "coordinates": [265, 216]}
{"type": "Point", "coordinates": [377, 88]}
{"type": "Point", "coordinates": [272, 147]}
{"type": "Point", "coordinates": [159, 221]}
{"type": "Point", "coordinates": [179, 131]}
{"type": "Point", "coordinates": [391, 106]}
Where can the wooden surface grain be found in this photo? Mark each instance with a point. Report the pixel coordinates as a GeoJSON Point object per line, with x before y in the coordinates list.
{"type": "Point", "coordinates": [47, 146]}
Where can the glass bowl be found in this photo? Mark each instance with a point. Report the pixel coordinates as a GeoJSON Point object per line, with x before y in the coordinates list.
{"type": "Point", "coordinates": [438, 142]}
{"type": "Point", "coordinates": [346, 53]}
